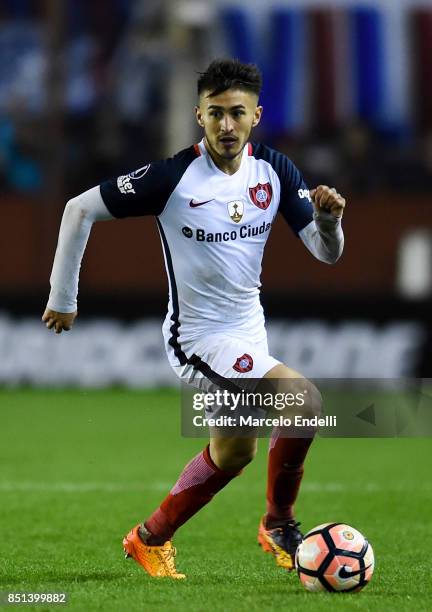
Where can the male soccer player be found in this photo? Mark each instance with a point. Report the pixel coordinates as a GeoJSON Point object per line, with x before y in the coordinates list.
{"type": "Point", "coordinates": [214, 204]}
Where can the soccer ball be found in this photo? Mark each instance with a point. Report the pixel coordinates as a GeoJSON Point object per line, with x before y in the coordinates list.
{"type": "Point", "coordinates": [334, 557]}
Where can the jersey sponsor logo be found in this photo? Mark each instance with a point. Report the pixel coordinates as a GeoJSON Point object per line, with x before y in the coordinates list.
{"type": "Point", "coordinates": [124, 183]}
{"type": "Point", "coordinates": [304, 193]}
{"type": "Point", "coordinates": [235, 210]}
{"type": "Point", "coordinates": [137, 174]}
{"type": "Point", "coordinates": [243, 363]}
{"type": "Point", "coordinates": [187, 232]}
{"type": "Point", "coordinates": [193, 204]}
{"type": "Point", "coordinates": [261, 195]}
{"type": "Point", "coordinates": [244, 232]}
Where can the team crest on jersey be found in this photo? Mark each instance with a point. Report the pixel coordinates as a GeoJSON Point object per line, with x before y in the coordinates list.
{"type": "Point", "coordinates": [235, 210]}
{"type": "Point", "coordinates": [261, 195]}
{"type": "Point", "coordinates": [243, 364]}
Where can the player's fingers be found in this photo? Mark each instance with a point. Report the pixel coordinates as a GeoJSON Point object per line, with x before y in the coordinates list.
{"type": "Point", "coordinates": [338, 200]}
{"type": "Point", "coordinates": [46, 315]}
{"type": "Point", "coordinates": [58, 327]}
{"type": "Point", "coordinates": [316, 195]}
{"type": "Point", "coordinates": [335, 198]}
{"type": "Point", "coordinates": [338, 203]}
{"type": "Point", "coordinates": [50, 323]}
{"type": "Point", "coordinates": [326, 198]}
{"type": "Point", "coordinates": [322, 188]}
{"type": "Point", "coordinates": [322, 193]}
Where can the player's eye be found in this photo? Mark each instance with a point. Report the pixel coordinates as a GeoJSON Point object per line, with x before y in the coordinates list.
{"type": "Point", "coordinates": [238, 113]}
{"type": "Point", "coordinates": [216, 114]}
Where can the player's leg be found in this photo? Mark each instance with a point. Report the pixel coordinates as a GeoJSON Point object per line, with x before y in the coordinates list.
{"type": "Point", "coordinates": [213, 468]}
{"type": "Point", "coordinates": [287, 452]}
{"type": "Point", "coordinates": [224, 458]}
{"type": "Point", "coordinates": [232, 454]}
{"type": "Point", "coordinates": [204, 476]}
{"type": "Point", "coordinates": [278, 532]}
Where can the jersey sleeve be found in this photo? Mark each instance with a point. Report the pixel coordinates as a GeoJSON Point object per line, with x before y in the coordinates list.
{"type": "Point", "coordinates": [295, 201]}
{"type": "Point", "coordinates": [145, 191]}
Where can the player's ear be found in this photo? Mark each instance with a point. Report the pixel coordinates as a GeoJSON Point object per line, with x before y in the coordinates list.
{"type": "Point", "coordinates": [198, 115]}
{"type": "Point", "coordinates": [257, 116]}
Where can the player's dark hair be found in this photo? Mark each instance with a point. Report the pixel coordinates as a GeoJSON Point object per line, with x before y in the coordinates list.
{"type": "Point", "coordinates": [223, 74]}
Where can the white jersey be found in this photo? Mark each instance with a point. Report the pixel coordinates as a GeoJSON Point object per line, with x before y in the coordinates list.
{"type": "Point", "coordinates": [213, 229]}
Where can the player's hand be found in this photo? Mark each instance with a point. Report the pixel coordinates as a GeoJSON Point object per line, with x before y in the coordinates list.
{"type": "Point", "coordinates": [328, 199]}
{"type": "Point", "coordinates": [59, 321]}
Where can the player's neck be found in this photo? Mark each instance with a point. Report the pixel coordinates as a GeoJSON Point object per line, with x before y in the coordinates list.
{"type": "Point", "coordinates": [229, 166]}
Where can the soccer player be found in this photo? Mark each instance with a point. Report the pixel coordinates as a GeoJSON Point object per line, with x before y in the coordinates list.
{"type": "Point", "coordinates": [214, 203]}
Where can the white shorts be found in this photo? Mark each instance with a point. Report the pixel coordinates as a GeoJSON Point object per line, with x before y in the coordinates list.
{"type": "Point", "coordinates": [229, 357]}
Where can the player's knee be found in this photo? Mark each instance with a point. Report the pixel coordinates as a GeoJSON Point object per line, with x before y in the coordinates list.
{"type": "Point", "coordinates": [233, 456]}
{"type": "Point", "coordinates": [237, 460]}
{"type": "Point", "coordinates": [298, 398]}
{"type": "Point", "coordinates": [241, 457]}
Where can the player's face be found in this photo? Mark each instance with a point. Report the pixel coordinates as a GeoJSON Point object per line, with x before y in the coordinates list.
{"type": "Point", "coordinates": [228, 119]}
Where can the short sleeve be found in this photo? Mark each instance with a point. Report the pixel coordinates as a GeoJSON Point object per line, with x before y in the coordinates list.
{"type": "Point", "coordinates": [145, 191]}
{"type": "Point", "coordinates": [295, 201]}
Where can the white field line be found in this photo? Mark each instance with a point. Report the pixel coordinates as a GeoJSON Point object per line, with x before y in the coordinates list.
{"type": "Point", "coordinates": [81, 487]}
{"type": "Point", "coordinates": [115, 487]}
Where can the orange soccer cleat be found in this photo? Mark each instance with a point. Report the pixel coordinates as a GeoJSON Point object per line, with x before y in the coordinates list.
{"type": "Point", "coordinates": [282, 541]}
{"type": "Point", "coordinates": [158, 561]}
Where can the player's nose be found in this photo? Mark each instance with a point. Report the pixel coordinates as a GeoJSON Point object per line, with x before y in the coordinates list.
{"type": "Point", "coordinates": [227, 124]}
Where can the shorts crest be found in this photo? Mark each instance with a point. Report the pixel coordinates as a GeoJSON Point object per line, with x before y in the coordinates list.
{"type": "Point", "coordinates": [243, 363]}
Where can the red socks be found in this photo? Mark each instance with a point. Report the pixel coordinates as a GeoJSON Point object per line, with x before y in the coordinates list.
{"type": "Point", "coordinates": [200, 480]}
{"type": "Point", "coordinates": [284, 476]}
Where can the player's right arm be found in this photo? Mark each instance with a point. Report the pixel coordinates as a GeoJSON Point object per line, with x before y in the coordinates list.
{"type": "Point", "coordinates": [79, 215]}
{"type": "Point", "coordinates": [140, 193]}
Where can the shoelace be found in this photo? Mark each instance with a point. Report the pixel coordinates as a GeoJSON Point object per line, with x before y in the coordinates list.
{"type": "Point", "coordinates": [168, 556]}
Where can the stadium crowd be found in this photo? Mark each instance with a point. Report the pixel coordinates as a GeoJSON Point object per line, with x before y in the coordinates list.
{"type": "Point", "coordinates": [118, 59]}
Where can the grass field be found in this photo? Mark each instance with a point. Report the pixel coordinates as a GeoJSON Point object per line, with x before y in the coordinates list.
{"type": "Point", "coordinates": [78, 469]}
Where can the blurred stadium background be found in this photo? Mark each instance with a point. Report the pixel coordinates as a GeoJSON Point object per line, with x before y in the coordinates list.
{"type": "Point", "coordinates": [94, 89]}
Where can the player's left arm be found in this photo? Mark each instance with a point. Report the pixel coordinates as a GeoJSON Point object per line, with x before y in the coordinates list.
{"type": "Point", "coordinates": [323, 236]}
{"type": "Point", "coordinates": [314, 216]}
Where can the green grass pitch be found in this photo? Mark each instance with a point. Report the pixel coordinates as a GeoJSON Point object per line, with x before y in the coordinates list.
{"type": "Point", "coordinates": [78, 469]}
